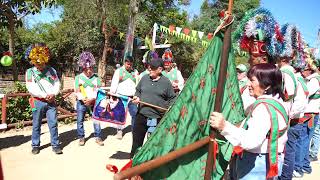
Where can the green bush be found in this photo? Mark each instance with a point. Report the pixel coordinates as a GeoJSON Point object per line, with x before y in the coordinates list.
{"type": "Point", "coordinates": [18, 108]}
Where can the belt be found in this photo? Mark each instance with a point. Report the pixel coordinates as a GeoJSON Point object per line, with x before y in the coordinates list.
{"type": "Point", "coordinates": [305, 118]}
{"type": "Point", "coordinates": [40, 99]}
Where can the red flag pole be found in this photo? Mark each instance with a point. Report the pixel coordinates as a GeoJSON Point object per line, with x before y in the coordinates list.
{"type": "Point", "coordinates": [219, 95]}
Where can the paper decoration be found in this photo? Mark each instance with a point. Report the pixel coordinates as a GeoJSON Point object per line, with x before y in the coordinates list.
{"type": "Point", "coordinates": [194, 33]}
{"type": "Point", "coordinates": [200, 34]}
{"type": "Point", "coordinates": [121, 34]}
{"type": "Point", "coordinates": [210, 36]}
{"type": "Point", "coordinates": [171, 28]}
{"type": "Point", "coordinates": [162, 28]}
{"type": "Point", "coordinates": [186, 31]}
{"type": "Point", "coordinates": [178, 29]}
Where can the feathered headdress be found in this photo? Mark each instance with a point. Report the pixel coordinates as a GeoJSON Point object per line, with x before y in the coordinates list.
{"type": "Point", "coordinates": [86, 59]}
{"type": "Point", "coordinates": [38, 54]}
{"type": "Point", "coordinates": [167, 56]}
{"type": "Point", "coordinates": [258, 33]}
{"type": "Point", "coordinates": [148, 56]}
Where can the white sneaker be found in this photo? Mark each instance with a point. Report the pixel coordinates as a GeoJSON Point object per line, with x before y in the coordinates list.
{"type": "Point", "coordinates": [296, 174]}
{"type": "Point", "coordinates": [119, 134]}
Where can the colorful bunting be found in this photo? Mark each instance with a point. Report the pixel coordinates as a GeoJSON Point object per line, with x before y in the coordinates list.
{"type": "Point", "coordinates": [200, 34]}
{"type": "Point", "coordinates": [178, 29]}
{"type": "Point", "coordinates": [186, 31]}
{"type": "Point", "coordinates": [171, 28]}
{"type": "Point", "coordinates": [194, 33]}
{"type": "Point", "coordinates": [121, 34]}
{"type": "Point", "coordinates": [210, 36]}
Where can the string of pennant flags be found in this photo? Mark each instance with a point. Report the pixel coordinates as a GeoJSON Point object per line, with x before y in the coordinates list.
{"type": "Point", "coordinates": [182, 33]}
{"type": "Point", "coordinates": [186, 34]}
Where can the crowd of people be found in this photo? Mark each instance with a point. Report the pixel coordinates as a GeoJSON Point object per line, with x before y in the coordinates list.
{"type": "Point", "coordinates": [280, 93]}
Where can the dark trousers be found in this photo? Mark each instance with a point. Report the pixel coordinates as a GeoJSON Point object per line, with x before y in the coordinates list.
{"type": "Point", "coordinates": [139, 131]}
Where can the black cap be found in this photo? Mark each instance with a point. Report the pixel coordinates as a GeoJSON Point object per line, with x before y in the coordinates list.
{"type": "Point", "coordinates": [155, 63]}
{"type": "Point", "coordinates": [129, 59]}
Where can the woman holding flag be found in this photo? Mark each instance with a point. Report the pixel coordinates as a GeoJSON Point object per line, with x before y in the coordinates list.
{"type": "Point", "coordinates": [263, 135]}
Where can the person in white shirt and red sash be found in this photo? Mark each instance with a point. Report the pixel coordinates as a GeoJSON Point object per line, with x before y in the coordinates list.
{"type": "Point", "coordinates": [173, 74]}
{"type": "Point", "coordinates": [263, 135]}
{"type": "Point", "coordinates": [86, 87]}
{"type": "Point", "coordinates": [312, 113]}
{"type": "Point", "coordinates": [43, 84]}
{"type": "Point", "coordinates": [124, 82]}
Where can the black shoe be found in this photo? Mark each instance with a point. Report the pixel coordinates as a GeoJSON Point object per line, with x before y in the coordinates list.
{"type": "Point", "coordinates": [35, 150]}
{"type": "Point", "coordinates": [57, 150]}
{"type": "Point", "coordinates": [312, 159]}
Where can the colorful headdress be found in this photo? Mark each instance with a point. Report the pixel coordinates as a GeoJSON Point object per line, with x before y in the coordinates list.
{"type": "Point", "coordinates": [310, 57]}
{"type": "Point", "coordinates": [86, 59]}
{"type": "Point", "coordinates": [38, 54]}
{"type": "Point", "coordinates": [167, 56]}
{"type": "Point", "coordinates": [148, 56]}
{"type": "Point", "coordinates": [258, 33]}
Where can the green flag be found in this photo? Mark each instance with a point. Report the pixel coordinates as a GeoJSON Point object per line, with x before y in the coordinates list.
{"type": "Point", "coordinates": [187, 121]}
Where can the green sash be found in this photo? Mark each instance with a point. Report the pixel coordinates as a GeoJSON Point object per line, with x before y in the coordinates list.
{"type": "Point", "coordinates": [124, 75]}
{"type": "Point", "coordinates": [273, 107]}
{"type": "Point", "coordinates": [172, 75]}
{"type": "Point", "coordinates": [304, 85]}
{"type": "Point", "coordinates": [291, 74]}
{"type": "Point", "coordinates": [87, 81]}
{"type": "Point", "coordinates": [41, 75]}
{"type": "Point", "coordinates": [317, 94]}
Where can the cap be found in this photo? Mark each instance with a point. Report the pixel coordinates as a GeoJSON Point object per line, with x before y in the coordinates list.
{"type": "Point", "coordinates": [155, 63]}
{"type": "Point", "coordinates": [242, 68]}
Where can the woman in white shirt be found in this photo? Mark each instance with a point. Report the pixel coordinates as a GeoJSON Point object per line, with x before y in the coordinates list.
{"type": "Point", "coordinates": [263, 135]}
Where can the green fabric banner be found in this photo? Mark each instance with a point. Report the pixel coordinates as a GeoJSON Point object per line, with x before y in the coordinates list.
{"type": "Point", "coordinates": [187, 121]}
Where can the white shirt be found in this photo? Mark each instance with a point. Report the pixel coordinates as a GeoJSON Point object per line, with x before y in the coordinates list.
{"type": "Point", "coordinates": [91, 92]}
{"type": "Point", "coordinates": [179, 77]}
{"type": "Point", "coordinates": [254, 138]}
{"type": "Point", "coordinates": [313, 86]}
{"type": "Point", "coordinates": [35, 87]}
{"type": "Point", "coordinates": [289, 88]}
{"type": "Point", "coordinates": [126, 87]}
{"type": "Point", "coordinates": [299, 102]}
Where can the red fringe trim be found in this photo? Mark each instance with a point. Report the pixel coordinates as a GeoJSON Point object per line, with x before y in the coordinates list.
{"type": "Point", "coordinates": [273, 171]}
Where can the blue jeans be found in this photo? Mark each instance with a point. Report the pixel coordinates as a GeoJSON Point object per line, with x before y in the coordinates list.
{"type": "Point", "coordinates": [133, 109]}
{"type": "Point", "coordinates": [294, 134]}
{"type": "Point", "coordinates": [315, 140]}
{"type": "Point", "coordinates": [49, 110]}
{"type": "Point", "coordinates": [252, 166]}
{"type": "Point", "coordinates": [302, 147]}
{"type": "Point", "coordinates": [81, 112]}
{"type": "Point", "coordinates": [306, 161]}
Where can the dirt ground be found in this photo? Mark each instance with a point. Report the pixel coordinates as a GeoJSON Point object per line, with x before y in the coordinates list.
{"type": "Point", "coordinates": [78, 163]}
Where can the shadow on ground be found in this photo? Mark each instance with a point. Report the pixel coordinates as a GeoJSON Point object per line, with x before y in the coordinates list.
{"type": "Point", "coordinates": [120, 155]}
{"type": "Point", "coordinates": [13, 141]}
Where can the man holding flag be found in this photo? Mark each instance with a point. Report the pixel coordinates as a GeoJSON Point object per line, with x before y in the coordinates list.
{"type": "Point", "coordinates": [123, 83]}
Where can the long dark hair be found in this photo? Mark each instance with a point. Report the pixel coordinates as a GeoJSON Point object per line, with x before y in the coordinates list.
{"type": "Point", "coordinates": [268, 75]}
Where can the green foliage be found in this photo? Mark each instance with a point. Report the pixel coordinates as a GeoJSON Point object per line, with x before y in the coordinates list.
{"type": "Point", "coordinates": [18, 108]}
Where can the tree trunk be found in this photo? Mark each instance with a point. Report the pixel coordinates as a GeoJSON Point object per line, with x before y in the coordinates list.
{"type": "Point", "coordinates": [11, 47]}
{"type": "Point", "coordinates": [131, 27]}
{"type": "Point", "coordinates": [103, 62]}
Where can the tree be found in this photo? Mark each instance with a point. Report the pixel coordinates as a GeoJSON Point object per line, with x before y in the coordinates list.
{"type": "Point", "coordinates": [12, 11]}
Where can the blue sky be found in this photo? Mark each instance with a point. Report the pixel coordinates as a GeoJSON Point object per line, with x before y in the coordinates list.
{"type": "Point", "coordinates": [304, 14]}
